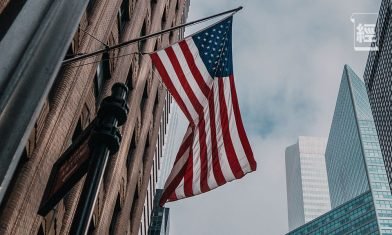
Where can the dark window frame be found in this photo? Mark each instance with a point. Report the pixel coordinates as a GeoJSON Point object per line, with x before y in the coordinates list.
{"type": "Point", "coordinates": [101, 75]}
{"type": "Point", "coordinates": [123, 16]}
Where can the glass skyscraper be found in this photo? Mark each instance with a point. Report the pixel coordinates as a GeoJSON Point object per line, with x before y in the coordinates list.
{"type": "Point", "coordinates": [378, 74]}
{"type": "Point", "coordinates": [159, 218]}
{"type": "Point", "coordinates": [358, 183]}
{"type": "Point", "coordinates": [306, 177]}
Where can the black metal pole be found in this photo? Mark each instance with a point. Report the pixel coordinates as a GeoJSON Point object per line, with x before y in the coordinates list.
{"type": "Point", "coordinates": [88, 197]}
{"type": "Point", "coordinates": [105, 141]}
{"type": "Point", "coordinates": [68, 61]}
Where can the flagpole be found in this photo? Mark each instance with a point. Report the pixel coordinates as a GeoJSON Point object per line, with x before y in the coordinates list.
{"type": "Point", "coordinates": [105, 142]}
{"type": "Point", "coordinates": [107, 49]}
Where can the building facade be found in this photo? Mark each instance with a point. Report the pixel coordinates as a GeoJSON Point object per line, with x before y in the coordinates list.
{"type": "Point", "coordinates": [358, 183]}
{"type": "Point", "coordinates": [126, 195]}
{"type": "Point", "coordinates": [306, 179]}
{"type": "Point", "coordinates": [160, 222]}
{"type": "Point", "coordinates": [357, 216]}
{"type": "Point", "coordinates": [377, 76]}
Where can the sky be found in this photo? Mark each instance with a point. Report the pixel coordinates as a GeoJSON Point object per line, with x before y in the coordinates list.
{"type": "Point", "coordinates": [288, 61]}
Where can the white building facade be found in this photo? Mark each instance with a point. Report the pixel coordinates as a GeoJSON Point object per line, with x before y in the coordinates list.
{"type": "Point", "coordinates": [307, 181]}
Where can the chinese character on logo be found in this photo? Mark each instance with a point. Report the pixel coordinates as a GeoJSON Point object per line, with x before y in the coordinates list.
{"type": "Point", "coordinates": [366, 33]}
{"type": "Point", "coordinates": [365, 38]}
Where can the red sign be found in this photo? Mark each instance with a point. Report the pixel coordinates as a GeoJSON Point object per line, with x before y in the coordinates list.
{"type": "Point", "coordinates": [67, 171]}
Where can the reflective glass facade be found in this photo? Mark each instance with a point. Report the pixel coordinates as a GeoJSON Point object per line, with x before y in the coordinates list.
{"type": "Point", "coordinates": [357, 216]}
{"type": "Point", "coordinates": [159, 218]}
{"type": "Point", "coordinates": [378, 74]}
{"type": "Point", "coordinates": [344, 157]}
{"type": "Point", "coordinates": [307, 185]}
{"type": "Point", "coordinates": [358, 183]}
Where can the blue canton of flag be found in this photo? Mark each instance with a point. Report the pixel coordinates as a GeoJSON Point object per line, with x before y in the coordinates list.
{"type": "Point", "coordinates": [214, 46]}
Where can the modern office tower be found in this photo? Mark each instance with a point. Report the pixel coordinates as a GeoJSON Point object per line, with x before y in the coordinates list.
{"type": "Point", "coordinates": [71, 105]}
{"type": "Point", "coordinates": [169, 148]}
{"type": "Point", "coordinates": [378, 74]}
{"type": "Point", "coordinates": [152, 212]}
{"type": "Point", "coordinates": [306, 179]}
{"type": "Point", "coordinates": [358, 185]}
{"type": "Point", "coordinates": [160, 223]}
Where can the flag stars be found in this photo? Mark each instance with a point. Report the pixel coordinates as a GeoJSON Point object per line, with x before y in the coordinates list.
{"type": "Point", "coordinates": [214, 45]}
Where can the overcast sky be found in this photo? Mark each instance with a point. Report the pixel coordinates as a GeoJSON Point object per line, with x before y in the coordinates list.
{"type": "Point", "coordinates": [288, 61]}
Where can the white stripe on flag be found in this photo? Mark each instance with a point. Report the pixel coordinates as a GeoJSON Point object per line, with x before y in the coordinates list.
{"type": "Point", "coordinates": [210, 172]}
{"type": "Point", "coordinates": [239, 149]}
{"type": "Point", "coordinates": [191, 80]}
{"type": "Point", "coordinates": [196, 164]}
{"type": "Point", "coordinates": [180, 190]}
{"type": "Point", "coordinates": [199, 63]}
{"type": "Point", "coordinates": [225, 166]}
{"type": "Point", "coordinates": [177, 84]}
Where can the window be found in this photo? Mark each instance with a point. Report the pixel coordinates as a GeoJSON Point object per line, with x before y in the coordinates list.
{"type": "Point", "coordinates": [163, 22]}
{"type": "Point", "coordinates": [89, 8]}
{"type": "Point", "coordinates": [143, 32]}
{"type": "Point", "coordinates": [116, 213]}
{"type": "Point", "coordinates": [133, 208]}
{"type": "Point", "coordinates": [123, 15]}
{"type": "Point", "coordinates": [130, 78]}
{"type": "Point", "coordinates": [131, 150]}
{"type": "Point", "coordinates": [102, 74]}
{"type": "Point", "coordinates": [41, 230]}
{"type": "Point", "coordinates": [78, 130]}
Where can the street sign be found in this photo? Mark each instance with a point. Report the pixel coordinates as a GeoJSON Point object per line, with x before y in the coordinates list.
{"type": "Point", "coordinates": [67, 171]}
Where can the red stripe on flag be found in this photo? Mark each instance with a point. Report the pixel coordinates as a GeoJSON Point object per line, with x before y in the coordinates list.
{"type": "Point", "coordinates": [188, 133]}
{"type": "Point", "coordinates": [240, 126]}
{"type": "Point", "coordinates": [203, 155]}
{"type": "Point", "coordinates": [184, 83]}
{"type": "Point", "coordinates": [188, 177]}
{"type": "Point", "coordinates": [194, 69]}
{"type": "Point", "coordinates": [230, 152]}
{"type": "Point", "coordinates": [220, 179]}
{"type": "Point", "coordinates": [172, 197]}
{"type": "Point", "coordinates": [167, 81]}
{"type": "Point", "coordinates": [171, 187]}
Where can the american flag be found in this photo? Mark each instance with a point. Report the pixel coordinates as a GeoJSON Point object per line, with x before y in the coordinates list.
{"type": "Point", "coordinates": [198, 73]}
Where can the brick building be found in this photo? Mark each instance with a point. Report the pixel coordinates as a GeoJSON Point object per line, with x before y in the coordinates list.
{"type": "Point", "coordinates": [125, 200]}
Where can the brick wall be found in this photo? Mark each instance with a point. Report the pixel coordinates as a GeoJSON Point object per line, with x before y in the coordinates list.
{"type": "Point", "coordinates": [72, 104]}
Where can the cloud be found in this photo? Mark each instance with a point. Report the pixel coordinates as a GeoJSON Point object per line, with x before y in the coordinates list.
{"type": "Point", "coordinates": [288, 61]}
